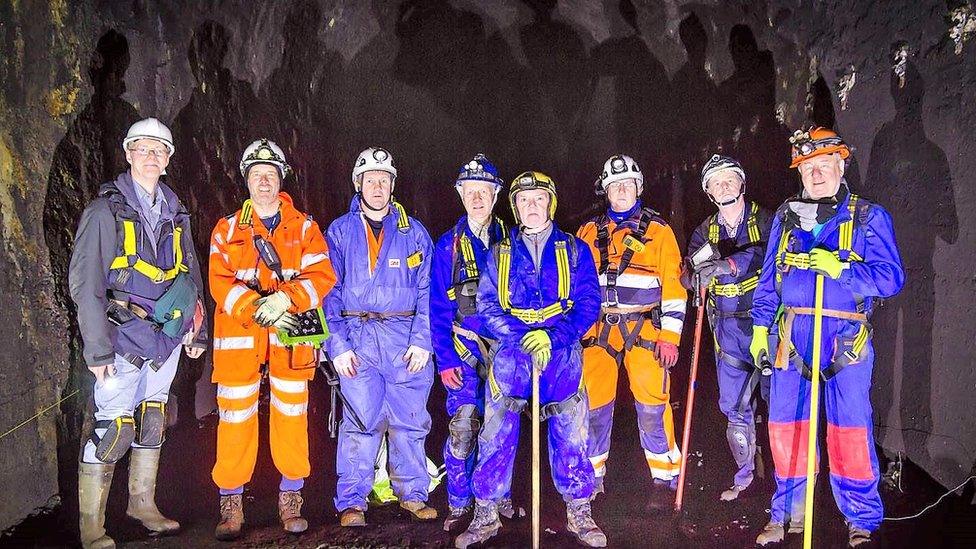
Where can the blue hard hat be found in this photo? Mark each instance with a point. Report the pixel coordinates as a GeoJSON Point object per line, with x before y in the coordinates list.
{"type": "Point", "coordinates": [478, 168]}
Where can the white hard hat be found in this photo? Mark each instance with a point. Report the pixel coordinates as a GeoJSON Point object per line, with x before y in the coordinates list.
{"type": "Point", "coordinates": [150, 128]}
{"type": "Point", "coordinates": [263, 151]}
{"type": "Point", "coordinates": [619, 167]}
{"type": "Point", "coordinates": [718, 163]}
{"type": "Point", "coordinates": [373, 158]}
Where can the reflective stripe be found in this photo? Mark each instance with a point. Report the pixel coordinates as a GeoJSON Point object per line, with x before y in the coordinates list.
{"type": "Point", "coordinates": [673, 306]}
{"type": "Point", "coordinates": [671, 457]}
{"type": "Point", "coordinates": [312, 259]}
{"type": "Point", "coordinates": [287, 385]}
{"type": "Point", "coordinates": [246, 274]}
{"type": "Point", "coordinates": [219, 239]}
{"type": "Point", "coordinates": [305, 227]}
{"type": "Point", "coordinates": [289, 273]}
{"type": "Point", "coordinates": [600, 464]}
{"type": "Point", "coordinates": [313, 296]}
{"type": "Point", "coordinates": [231, 225]}
{"type": "Point", "coordinates": [467, 254]}
{"type": "Point", "coordinates": [233, 296]}
{"type": "Point", "coordinates": [734, 289]}
{"type": "Point", "coordinates": [287, 408]}
{"type": "Point", "coordinates": [238, 416]}
{"type": "Point", "coordinates": [671, 324]}
{"type": "Point", "coordinates": [631, 280]}
{"type": "Point", "coordinates": [232, 343]}
{"type": "Point", "coordinates": [237, 391]}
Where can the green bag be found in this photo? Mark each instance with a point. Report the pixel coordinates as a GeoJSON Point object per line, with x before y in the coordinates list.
{"type": "Point", "coordinates": [175, 308]}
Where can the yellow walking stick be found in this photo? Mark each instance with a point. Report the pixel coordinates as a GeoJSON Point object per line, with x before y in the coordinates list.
{"type": "Point", "coordinates": [535, 457]}
{"type": "Point", "coordinates": [814, 415]}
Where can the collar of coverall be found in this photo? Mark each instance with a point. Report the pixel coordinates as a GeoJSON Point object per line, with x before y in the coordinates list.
{"type": "Point", "coordinates": [808, 213]}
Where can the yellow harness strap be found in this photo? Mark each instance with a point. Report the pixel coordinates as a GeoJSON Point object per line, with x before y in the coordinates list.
{"type": "Point", "coordinates": [844, 242]}
{"type": "Point", "coordinates": [130, 256]}
{"type": "Point", "coordinates": [534, 316]}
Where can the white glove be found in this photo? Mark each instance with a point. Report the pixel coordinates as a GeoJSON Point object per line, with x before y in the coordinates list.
{"type": "Point", "coordinates": [287, 323]}
{"type": "Point", "coordinates": [416, 358]}
{"type": "Point", "coordinates": [345, 364]}
{"type": "Point", "coordinates": [271, 308]}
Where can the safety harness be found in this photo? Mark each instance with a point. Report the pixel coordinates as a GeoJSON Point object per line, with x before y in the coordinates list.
{"type": "Point", "coordinates": [847, 349]}
{"type": "Point", "coordinates": [566, 262]}
{"type": "Point", "coordinates": [611, 315]}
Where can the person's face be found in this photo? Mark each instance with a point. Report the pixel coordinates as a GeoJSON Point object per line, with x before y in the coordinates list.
{"type": "Point", "coordinates": [724, 186]}
{"type": "Point", "coordinates": [376, 188]}
{"type": "Point", "coordinates": [148, 158]}
{"type": "Point", "coordinates": [821, 175]}
{"type": "Point", "coordinates": [533, 207]}
{"type": "Point", "coordinates": [263, 182]}
{"type": "Point", "coordinates": [622, 194]}
{"type": "Point", "coordinates": [478, 198]}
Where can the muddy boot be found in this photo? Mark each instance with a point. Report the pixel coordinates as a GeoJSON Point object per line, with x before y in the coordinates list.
{"type": "Point", "coordinates": [94, 480]}
{"type": "Point", "coordinates": [732, 493]}
{"type": "Point", "coordinates": [482, 528]}
{"type": "Point", "coordinates": [508, 510]}
{"type": "Point", "coordinates": [143, 465]}
{"type": "Point", "coordinates": [579, 521]}
{"type": "Point", "coordinates": [597, 488]}
{"type": "Point", "coordinates": [662, 496]}
{"type": "Point", "coordinates": [857, 536]}
{"type": "Point", "coordinates": [290, 512]}
{"type": "Point", "coordinates": [419, 510]}
{"type": "Point", "coordinates": [231, 518]}
{"type": "Point", "coordinates": [455, 515]}
{"type": "Point", "coordinates": [352, 517]}
{"type": "Point", "coordinates": [771, 533]}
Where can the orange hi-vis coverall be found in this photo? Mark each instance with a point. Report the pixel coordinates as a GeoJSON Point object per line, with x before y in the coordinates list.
{"type": "Point", "coordinates": [238, 277]}
{"type": "Point", "coordinates": [643, 303]}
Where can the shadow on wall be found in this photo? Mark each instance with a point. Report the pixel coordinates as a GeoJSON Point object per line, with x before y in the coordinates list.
{"type": "Point", "coordinates": [89, 154]}
{"type": "Point", "coordinates": [909, 166]}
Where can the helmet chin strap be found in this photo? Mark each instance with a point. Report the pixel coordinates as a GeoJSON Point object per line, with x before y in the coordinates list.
{"type": "Point", "coordinates": [372, 209]}
{"type": "Point", "coordinates": [727, 202]}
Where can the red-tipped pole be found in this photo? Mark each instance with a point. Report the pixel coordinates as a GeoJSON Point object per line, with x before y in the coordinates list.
{"type": "Point", "coordinates": [690, 404]}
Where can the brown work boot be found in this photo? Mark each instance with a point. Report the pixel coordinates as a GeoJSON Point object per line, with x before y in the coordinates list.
{"type": "Point", "coordinates": [774, 532]}
{"type": "Point", "coordinates": [419, 509]}
{"type": "Point", "coordinates": [231, 518]}
{"type": "Point", "coordinates": [352, 517]}
{"type": "Point", "coordinates": [94, 480]}
{"type": "Point", "coordinates": [143, 465]}
{"type": "Point", "coordinates": [857, 536]}
{"type": "Point", "coordinates": [290, 512]}
{"type": "Point", "coordinates": [482, 528]}
{"type": "Point", "coordinates": [732, 493]}
{"type": "Point", "coordinates": [579, 521]}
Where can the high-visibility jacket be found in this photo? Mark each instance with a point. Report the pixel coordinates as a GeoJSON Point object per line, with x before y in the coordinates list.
{"type": "Point", "coordinates": [650, 277]}
{"type": "Point", "coordinates": [239, 276]}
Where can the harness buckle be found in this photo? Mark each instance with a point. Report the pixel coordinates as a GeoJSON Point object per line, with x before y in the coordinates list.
{"type": "Point", "coordinates": [612, 319]}
{"type": "Point", "coordinates": [612, 296]}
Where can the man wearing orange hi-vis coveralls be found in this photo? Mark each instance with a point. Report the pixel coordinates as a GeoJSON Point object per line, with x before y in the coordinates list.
{"type": "Point", "coordinates": [643, 310]}
{"type": "Point", "coordinates": [267, 262]}
{"type": "Point", "coordinates": [827, 231]}
{"type": "Point", "coordinates": [537, 295]}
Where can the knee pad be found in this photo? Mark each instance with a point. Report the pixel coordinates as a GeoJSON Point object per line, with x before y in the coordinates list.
{"type": "Point", "coordinates": [464, 427]}
{"type": "Point", "coordinates": [742, 442]}
{"type": "Point", "coordinates": [115, 442]}
{"type": "Point", "coordinates": [150, 423]}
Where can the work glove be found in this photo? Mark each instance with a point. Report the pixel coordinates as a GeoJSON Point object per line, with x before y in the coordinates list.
{"type": "Point", "coordinates": [287, 323]}
{"type": "Point", "coordinates": [416, 358]}
{"type": "Point", "coordinates": [666, 353]}
{"type": "Point", "coordinates": [826, 263]}
{"type": "Point", "coordinates": [451, 378]}
{"type": "Point", "coordinates": [708, 270]}
{"type": "Point", "coordinates": [541, 358]}
{"type": "Point", "coordinates": [271, 307]}
{"type": "Point", "coordinates": [537, 344]}
{"type": "Point", "coordinates": [346, 363]}
{"type": "Point", "coordinates": [759, 347]}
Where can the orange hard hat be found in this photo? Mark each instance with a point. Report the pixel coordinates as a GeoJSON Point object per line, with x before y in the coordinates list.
{"type": "Point", "coordinates": [815, 142]}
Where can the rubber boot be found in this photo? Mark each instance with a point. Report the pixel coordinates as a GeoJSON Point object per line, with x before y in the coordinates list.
{"type": "Point", "coordinates": [455, 515]}
{"type": "Point", "coordinates": [143, 466]}
{"type": "Point", "coordinates": [857, 536]}
{"type": "Point", "coordinates": [579, 521]}
{"type": "Point", "coordinates": [94, 481]}
{"type": "Point", "coordinates": [290, 512]}
{"type": "Point", "coordinates": [482, 528]}
{"type": "Point", "coordinates": [419, 510]}
{"type": "Point", "coordinates": [231, 518]}
{"type": "Point", "coordinates": [352, 517]}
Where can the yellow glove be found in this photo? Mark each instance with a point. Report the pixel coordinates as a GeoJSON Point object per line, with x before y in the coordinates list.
{"type": "Point", "coordinates": [541, 358]}
{"type": "Point", "coordinates": [826, 263]}
{"type": "Point", "coordinates": [759, 347]}
{"type": "Point", "coordinates": [536, 340]}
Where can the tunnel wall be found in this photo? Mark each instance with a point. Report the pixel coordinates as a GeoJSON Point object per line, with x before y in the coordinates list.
{"type": "Point", "coordinates": [538, 84]}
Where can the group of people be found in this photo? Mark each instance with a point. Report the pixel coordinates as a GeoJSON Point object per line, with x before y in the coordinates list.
{"type": "Point", "coordinates": [486, 305]}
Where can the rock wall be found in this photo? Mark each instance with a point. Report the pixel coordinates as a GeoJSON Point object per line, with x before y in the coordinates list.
{"type": "Point", "coordinates": [537, 84]}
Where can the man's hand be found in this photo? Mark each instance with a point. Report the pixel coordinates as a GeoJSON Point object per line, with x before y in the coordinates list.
{"type": "Point", "coordinates": [346, 363]}
{"type": "Point", "coordinates": [539, 346]}
{"type": "Point", "coordinates": [759, 346]}
{"type": "Point", "coordinates": [541, 358]}
{"type": "Point", "coordinates": [711, 269]}
{"type": "Point", "coordinates": [287, 322]}
{"type": "Point", "coordinates": [101, 372]}
{"type": "Point", "coordinates": [271, 308]}
{"type": "Point", "coordinates": [451, 378]}
{"type": "Point", "coordinates": [826, 263]}
{"type": "Point", "coordinates": [416, 358]}
{"type": "Point", "coordinates": [666, 353]}
{"type": "Point", "coordinates": [193, 352]}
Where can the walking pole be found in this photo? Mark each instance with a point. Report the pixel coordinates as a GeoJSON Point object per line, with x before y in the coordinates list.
{"type": "Point", "coordinates": [535, 458]}
{"type": "Point", "coordinates": [699, 302]}
{"type": "Point", "coordinates": [814, 415]}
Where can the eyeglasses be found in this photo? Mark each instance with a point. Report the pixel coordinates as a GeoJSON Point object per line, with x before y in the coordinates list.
{"type": "Point", "coordinates": [623, 184]}
{"type": "Point", "coordinates": [143, 151]}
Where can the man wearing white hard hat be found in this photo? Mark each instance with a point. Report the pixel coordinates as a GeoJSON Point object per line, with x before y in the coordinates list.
{"type": "Point", "coordinates": [135, 279]}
